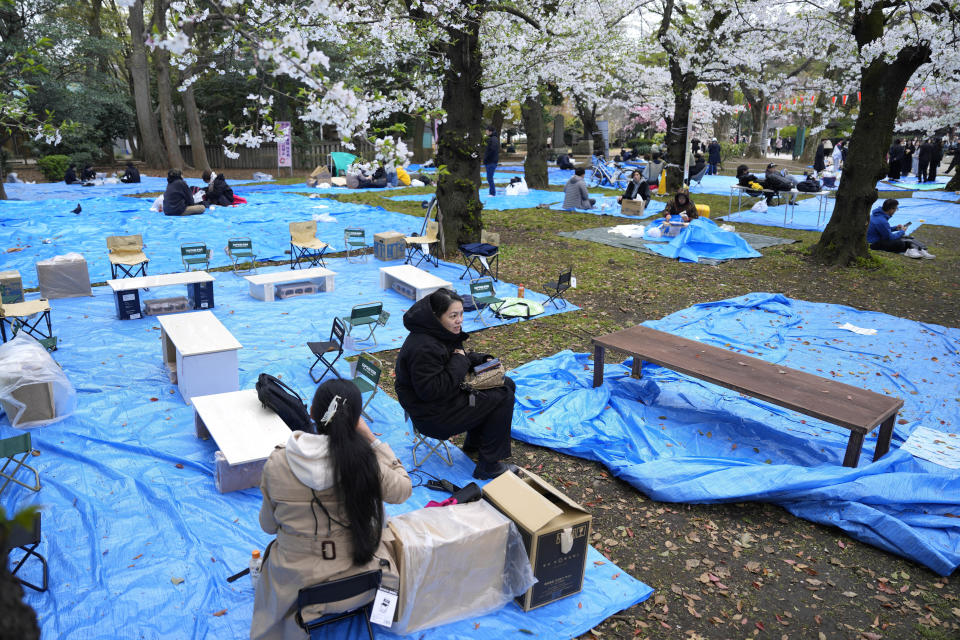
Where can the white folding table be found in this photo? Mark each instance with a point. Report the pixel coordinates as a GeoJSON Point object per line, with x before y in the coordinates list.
{"type": "Point", "coordinates": [200, 354]}
{"type": "Point", "coordinates": [126, 291]}
{"type": "Point", "coordinates": [245, 432]}
{"type": "Point", "coordinates": [416, 280]}
{"type": "Point", "coordinates": [263, 285]}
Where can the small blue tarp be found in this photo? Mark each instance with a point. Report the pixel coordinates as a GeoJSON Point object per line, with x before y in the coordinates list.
{"type": "Point", "coordinates": [702, 443]}
{"type": "Point", "coordinates": [702, 238]}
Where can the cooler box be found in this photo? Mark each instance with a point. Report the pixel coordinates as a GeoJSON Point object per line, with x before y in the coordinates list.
{"type": "Point", "coordinates": [201, 295]}
{"type": "Point", "coordinates": [64, 276]}
{"type": "Point", "coordinates": [388, 245]}
{"type": "Point", "coordinates": [128, 304]}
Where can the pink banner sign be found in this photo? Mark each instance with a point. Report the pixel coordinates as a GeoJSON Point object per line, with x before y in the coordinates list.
{"type": "Point", "coordinates": [285, 146]}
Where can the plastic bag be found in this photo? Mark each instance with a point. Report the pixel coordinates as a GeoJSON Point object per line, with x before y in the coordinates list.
{"type": "Point", "coordinates": [34, 390]}
{"type": "Point", "coordinates": [259, 175]}
{"type": "Point", "coordinates": [727, 227]}
{"type": "Point", "coordinates": [654, 231]}
{"type": "Point", "coordinates": [457, 562]}
{"type": "Point", "coordinates": [416, 183]}
{"type": "Point", "coordinates": [759, 207]}
{"type": "Point", "coordinates": [157, 204]}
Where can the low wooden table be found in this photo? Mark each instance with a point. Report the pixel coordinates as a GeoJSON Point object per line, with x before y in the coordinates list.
{"type": "Point", "coordinates": [126, 291]}
{"type": "Point", "coordinates": [200, 354]}
{"type": "Point", "coordinates": [417, 280]}
{"type": "Point", "coordinates": [853, 408]}
{"type": "Point", "coordinates": [245, 432]}
{"type": "Point", "coordinates": [263, 285]}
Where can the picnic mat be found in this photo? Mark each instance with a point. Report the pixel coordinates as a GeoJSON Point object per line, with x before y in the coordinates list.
{"type": "Point", "coordinates": [32, 231]}
{"type": "Point", "coordinates": [136, 535]}
{"type": "Point", "coordinates": [603, 236]}
{"type": "Point", "coordinates": [702, 443]}
{"type": "Point", "coordinates": [606, 205]}
{"type": "Point", "coordinates": [911, 184]}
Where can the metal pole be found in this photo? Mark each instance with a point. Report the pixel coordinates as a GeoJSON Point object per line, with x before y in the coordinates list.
{"type": "Point", "coordinates": [686, 149]}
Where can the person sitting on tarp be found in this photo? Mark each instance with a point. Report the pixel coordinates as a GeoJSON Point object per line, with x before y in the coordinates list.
{"type": "Point", "coordinates": [177, 199]}
{"type": "Point", "coordinates": [575, 195]}
{"type": "Point", "coordinates": [87, 174]}
{"type": "Point", "coordinates": [564, 162]}
{"type": "Point", "coordinates": [70, 176]}
{"type": "Point", "coordinates": [653, 170]}
{"type": "Point", "coordinates": [699, 164]}
{"type": "Point", "coordinates": [681, 206]}
{"type": "Point", "coordinates": [131, 175]}
{"type": "Point", "coordinates": [752, 182]}
{"type": "Point", "coordinates": [323, 495]}
{"type": "Point", "coordinates": [218, 193]}
{"type": "Point", "coordinates": [882, 237]}
{"type": "Point", "coordinates": [636, 188]}
{"type": "Point", "coordinates": [431, 368]}
{"type": "Point", "coordinates": [377, 181]}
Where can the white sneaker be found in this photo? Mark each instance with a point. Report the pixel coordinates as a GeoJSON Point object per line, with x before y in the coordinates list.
{"type": "Point", "coordinates": [912, 253]}
{"type": "Point", "coordinates": [926, 254]}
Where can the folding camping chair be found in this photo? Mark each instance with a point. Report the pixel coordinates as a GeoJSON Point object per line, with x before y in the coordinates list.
{"type": "Point", "coordinates": [483, 257]}
{"type": "Point", "coordinates": [331, 345]}
{"type": "Point", "coordinates": [367, 377]}
{"type": "Point", "coordinates": [10, 448]}
{"type": "Point", "coordinates": [370, 315]}
{"type": "Point", "coordinates": [556, 289]}
{"type": "Point", "coordinates": [484, 295]}
{"type": "Point", "coordinates": [355, 240]}
{"type": "Point", "coordinates": [195, 256]}
{"type": "Point", "coordinates": [432, 445]}
{"type": "Point", "coordinates": [419, 246]}
{"type": "Point", "coordinates": [698, 177]}
{"type": "Point", "coordinates": [341, 162]}
{"type": "Point", "coordinates": [335, 591]}
{"type": "Point", "coordinates": [28, 316]}
{"type": "Point", "coordinates": [27, 540]}
{"type": "Point", "coordinates": [305, 244]}
{"type": "Point", "coordinates": [126, 256]}
{"type": "Point", "coordinates": [241, 250]}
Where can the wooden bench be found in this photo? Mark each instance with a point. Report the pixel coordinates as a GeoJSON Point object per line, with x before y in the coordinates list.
{"type": "Point", "coordinates": [245, 432]}
{"type": "Point", "coordinates": [853, 408]}
{"type": "Point", "coordinates": [263, 286]}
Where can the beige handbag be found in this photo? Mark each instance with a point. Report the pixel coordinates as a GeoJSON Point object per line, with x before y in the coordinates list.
{"type": "Point", "coordinates": [489, 379]}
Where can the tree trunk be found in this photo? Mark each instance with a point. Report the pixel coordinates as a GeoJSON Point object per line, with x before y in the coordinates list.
{"type": "Point", "coordinates": [197, 146]}
{"type": "Point", "coordinates": [810, 150]}
{"type": "Point", "coordinates": [588, 117]}
{"type": "Point", "coordinates": [460, 145]}
{"type": "Point", "coordinates": [683, 87]}
{"type": "Point", "coordinates": [419, 151]}
{"type": "Point", "coordinates": [3, 192]}
{"type": "Point", "coordinates": [497, 120]}
{"type": "Point", "coordinates": [535, 164]}
{"type": "Point", "coordinates": [721, 126]}
{"type": "Point", "coordinates": [168, 123]}
{"type": "Point", "coordinates": [954, 184]}
{"type": "Point", "coordinates": [140, 75]}
{"type": "Point", "coordinates": [881, 85]}
{"type": "Point", "coordinates": [758, 117]}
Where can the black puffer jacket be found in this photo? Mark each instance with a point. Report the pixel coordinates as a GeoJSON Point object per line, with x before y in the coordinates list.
{"type": "Point", "coordinates": [219, 193]}
{"type": "Point", "coordinates": [176, 198]}
{"type": "Point", "coordinates": [429, 373]}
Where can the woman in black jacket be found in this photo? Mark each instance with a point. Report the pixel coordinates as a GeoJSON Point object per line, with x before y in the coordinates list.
{"type": "Point", "coordinates": [430, 369]}
{"type": "Point", "coordinates": [818, 159]}
{"type": "Point", "coordinates": [219, 193]}
{"type": "Point", "coordinates": [636, 187]}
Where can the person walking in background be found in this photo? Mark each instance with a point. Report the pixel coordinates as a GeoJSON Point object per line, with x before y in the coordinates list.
{"type": "Point", "coordinates": [954, 150]}
{"type": "Point", "coordinates": [818, 159]}
{"type": "Point", "coordinates": [895, 160]}
{"type": "Point", "coordinates": [936, 155]}
{"type": "Point", "coordinates": [909, 149]}
{"type": "Point", "coordinates": [713, 158]}
{"type": "Point", "coordinates": [838, 156]}
{"type": "Point", "coordinates": [491, 157]}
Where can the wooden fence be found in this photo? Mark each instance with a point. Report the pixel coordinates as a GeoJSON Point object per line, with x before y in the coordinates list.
{"type": "Point", "coordinates": [305, 156]}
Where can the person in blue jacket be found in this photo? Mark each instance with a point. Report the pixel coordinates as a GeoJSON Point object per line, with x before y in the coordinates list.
{"type": "Point", "coordinates": [882, 237]}
{"type": "Point", "coordinates": [491, 157]}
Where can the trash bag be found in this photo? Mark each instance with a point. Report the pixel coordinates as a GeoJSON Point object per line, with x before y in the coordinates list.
{"type": "Point", "coordinates": [759, 207]}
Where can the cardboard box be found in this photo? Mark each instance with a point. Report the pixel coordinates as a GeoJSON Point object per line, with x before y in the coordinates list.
{"type": "Point", "coordinates": [38, 403]}
{"type": "Point", "coordinates": [64, 277]}
{"type": "Point", "coordinates": [555, 532]}
{"type": "Point", "coordinates": [633, 207]}
{"type": "Point", "coordinates": [388, 245]}
{"type": "Point", "coordinates": [12, 285]}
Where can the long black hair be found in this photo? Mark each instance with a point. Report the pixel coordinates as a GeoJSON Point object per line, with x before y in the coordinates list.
{"type": "Point", "coordinates": [441, 299]}
{"type": "Point", "coordinates": [355, 469]}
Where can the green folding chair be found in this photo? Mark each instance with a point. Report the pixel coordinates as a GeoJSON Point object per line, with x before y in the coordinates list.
{"type": "Point", "coordinates": [370, 315]}
{"type": "Point", "coordinates": [355, 240]}
{"type": "Point", "coordinates": [10, 449]}
{"type": "Point", "coordinates": [195, 256]}
{"type": "Point", "coordinates": [484, 296]}
{"type": "Point", "coordinates": [341, 162]}
{"type": "Point", "coordinates": [367, 378]}
{"type": "Point", "coordinates": [240, 250]}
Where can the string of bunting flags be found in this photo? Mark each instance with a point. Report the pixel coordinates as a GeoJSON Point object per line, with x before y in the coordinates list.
{"type": "Point", "coordinates": [799, 101]}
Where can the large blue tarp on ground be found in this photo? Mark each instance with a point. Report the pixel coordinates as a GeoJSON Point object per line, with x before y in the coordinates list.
{"type": "Point", "coordinates": [702, 443]}
{"type": "Point", "coordinates": [265, 218]}
{"type": "Point", "coordinates": [912, 184]}
{"type": "Point", "coordinates": [606, 205]}
{"type": "Point", "coordinates": [918, 211]}
{"type": "Point", "coordinates": [702, 238]}
{"type": "Point", "coordinates": [129, 503]}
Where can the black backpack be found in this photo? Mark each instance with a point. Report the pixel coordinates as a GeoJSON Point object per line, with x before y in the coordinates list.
{"type": "Point", "coordinates": [810, 185]}
{"type": "Point", "coordinates": [283, 401]}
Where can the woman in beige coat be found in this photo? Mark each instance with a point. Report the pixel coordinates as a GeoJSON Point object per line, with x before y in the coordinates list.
{"type": "Point", "coordinates": [323, 496]}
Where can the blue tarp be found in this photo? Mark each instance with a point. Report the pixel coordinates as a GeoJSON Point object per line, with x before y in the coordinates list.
{"type": "Point", "coordinates": [129, 502]}
{"type": "Point", "coordinates": [911, 184]}
{"type": "Point", "coordinates": [702, 238]}
{"type": "Point", "coordinates": [264, 218]}
{"type": "Point", "coordinates": [916, 210]}
{"type": "Point", "coordinates": [606, 205]}
{"type": "Point", "coordinates": [702, 443]}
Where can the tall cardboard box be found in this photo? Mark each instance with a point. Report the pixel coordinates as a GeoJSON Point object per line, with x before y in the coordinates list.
{"type": "Point", "coordinates": [555, 532]}
{"type": "Point", "coordinates": [633, 207]}
{"type": "Point", "coordinates": [388, 245]}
